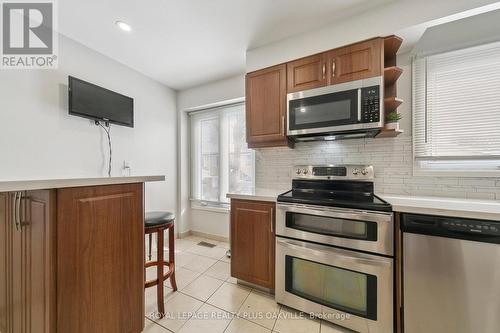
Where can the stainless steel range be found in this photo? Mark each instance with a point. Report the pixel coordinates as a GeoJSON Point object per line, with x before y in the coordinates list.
{"type": "Point", "coordinates": [334, 248]}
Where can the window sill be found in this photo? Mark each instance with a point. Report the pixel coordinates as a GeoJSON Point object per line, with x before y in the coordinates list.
{"type": "Point", "coordinates": [223, 209]}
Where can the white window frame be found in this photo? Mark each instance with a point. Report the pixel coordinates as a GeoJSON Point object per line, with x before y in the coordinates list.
{"type": "Point", "coordinates": [213, 206]}
{"type": "Point", "coordinates": [466, 167]}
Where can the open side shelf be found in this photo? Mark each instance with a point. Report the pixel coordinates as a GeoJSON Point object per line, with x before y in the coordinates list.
{"type": "Point", "coordinates": [391, 47]}
{"type": "Point", "coordinates": [392, 103]}
{"type": "Point", "coordinates": [391, 75]}
{"type": "Point", "coordinates": [388, 133]}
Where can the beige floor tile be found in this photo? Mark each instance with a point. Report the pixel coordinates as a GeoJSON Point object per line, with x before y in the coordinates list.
{"type": "Point", "coordinates": [260, 308]}
{"type": "Point", "coordinates": [327, 327]}
{"type": "Point", "coordinates": [203, 287]}
{"type": "Point", "coordinates": [225, 245]}
{"type": "Point", "coordinates": [208, 319]}
{"type": "Point", "coordinates": [214, 252]}
{"type": "Point", "coordinates": [151, 305]}
{"type": "Point", "coordinates": [232, 280]}
{"type": "Point", "coordinates": [184, 258]}
{"type": "Point", "coordinates": [182, 244]}
{"type": "Point", "coordinates": [198, 263]}
{"type": "Point", "coordinates": [239, 325]}
{"type": "Point", "coordinates": [229, 297]}
{"type": "Point", "coordinates": [225, 259]}
{"type": "Point", "coordinates": [290, 321]}
{"type": "Point", "coordinates": [151, 327]}
{"type": "Point", "coordinates": [220, 270]}
{"type": "Point", "coordinates": [178, 311]}
{"type": "Point", "coordinates": [183, 277]}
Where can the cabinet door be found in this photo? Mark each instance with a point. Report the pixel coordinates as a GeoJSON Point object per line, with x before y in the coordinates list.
{"type": "Point", "coordinates": [253, 242]}
{"type": "Point", "coordinates": [100, 259]}
{"type": "Point", "coordinates": [5, 270]}
{"type": "Point", "coordinates": [38, 244]}
{"type": "Point", "coordinates": [266, 107]}
{"type": "Point", "coordinates": [358, 61]}
{"type": "Point", "coordinates": [307, 73]}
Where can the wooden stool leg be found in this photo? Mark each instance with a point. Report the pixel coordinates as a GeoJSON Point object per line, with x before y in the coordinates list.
{"type": "Point", "coordinates": [171, 256]}
{"type": "Point", "coordinates": [150, 241]}
{"type": "Point", "coordinates": [159, 273]}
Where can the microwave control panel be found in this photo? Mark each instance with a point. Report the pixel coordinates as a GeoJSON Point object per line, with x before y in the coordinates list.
{"type": "Point", "coordinates": [370, 104]}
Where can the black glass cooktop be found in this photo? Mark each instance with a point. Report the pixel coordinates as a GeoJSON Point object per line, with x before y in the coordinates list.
{"type": "Point", "coordinates": [344, 194]}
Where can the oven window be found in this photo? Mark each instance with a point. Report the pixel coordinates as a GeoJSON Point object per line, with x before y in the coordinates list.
{"type": "Point", "coordinates": [337, 288]}
{"type": "Point", "coordinates": [325, 110]}
{"type": "Point", "coordinates": [331, 226]}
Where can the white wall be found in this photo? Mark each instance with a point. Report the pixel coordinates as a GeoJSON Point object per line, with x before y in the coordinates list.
{"type": "Point", "coordinates": [381, 21]}
{"type": "Point", "coordinates": [38, 139]}
{"type": "Point", "coordinates": [209, 222]}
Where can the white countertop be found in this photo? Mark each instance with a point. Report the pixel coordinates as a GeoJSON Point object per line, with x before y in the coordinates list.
{"type": "Point", "coordinates": [466, 208]}
{"type": "Point", "coordinates": [259, 194]}
{"type": "Point", "coordinates": [43, 184]}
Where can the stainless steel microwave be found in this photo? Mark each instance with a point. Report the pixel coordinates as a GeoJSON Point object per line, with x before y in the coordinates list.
{"type": "Point", "coordinates": [351, 109]}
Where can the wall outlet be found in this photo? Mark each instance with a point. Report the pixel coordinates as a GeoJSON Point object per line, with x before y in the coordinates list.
{"type": "Point", "coordinates": [126, 168]}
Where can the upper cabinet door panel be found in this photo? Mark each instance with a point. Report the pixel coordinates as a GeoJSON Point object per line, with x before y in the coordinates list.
{"type": "Point", "coordinates": [307, 73]}
{"type": "Point", "coordinates": [356, 62]}
{"type": "Point", "coordinates": [265, 105]}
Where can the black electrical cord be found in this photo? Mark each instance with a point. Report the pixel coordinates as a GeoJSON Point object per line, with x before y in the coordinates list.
{"type": "Point", "coordinates": [107, 130]}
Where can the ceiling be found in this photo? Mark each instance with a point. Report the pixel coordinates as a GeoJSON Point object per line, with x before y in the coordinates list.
{"type": "Point", "coordinates": [184, 43]}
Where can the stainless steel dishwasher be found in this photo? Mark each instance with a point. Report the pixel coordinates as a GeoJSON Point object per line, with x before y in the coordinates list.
{"type": "Point", "coordinates": [451, 275]}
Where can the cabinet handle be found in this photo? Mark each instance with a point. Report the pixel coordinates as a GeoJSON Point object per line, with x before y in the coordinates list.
{"type": "Point", "coordinates": [324, 70]}
{"type": "Point", "coordinates": [283, 124]}
{"type": "Point", "coordinates": [271, 220]}
{"type": "Point", "coordinates": [16, 209]}
{"type": "Point", "coordinates": [24, 219]}
{"type": "Point", "coordinates": [333, 68]}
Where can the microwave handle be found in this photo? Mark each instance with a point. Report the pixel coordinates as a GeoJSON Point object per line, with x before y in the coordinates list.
{"type": "Point", "coordinates": [359, 105]}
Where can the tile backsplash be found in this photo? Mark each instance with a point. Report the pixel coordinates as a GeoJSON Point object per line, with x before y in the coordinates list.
{"type": "Point", "coordinates": [391, 159]}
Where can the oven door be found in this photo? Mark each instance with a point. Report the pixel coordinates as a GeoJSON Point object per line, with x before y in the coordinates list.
{"type": "Point", "coordinates": [350, 228]}
{"type": "Point", "coordinates": [348, 288]}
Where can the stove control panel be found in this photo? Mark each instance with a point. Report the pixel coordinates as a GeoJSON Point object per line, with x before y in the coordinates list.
{"type": "Point", "coordinates": [346, 172]}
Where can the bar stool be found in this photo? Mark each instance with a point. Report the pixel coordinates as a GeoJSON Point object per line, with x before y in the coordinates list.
{"type": "Point", "coordinates": [158, 222]}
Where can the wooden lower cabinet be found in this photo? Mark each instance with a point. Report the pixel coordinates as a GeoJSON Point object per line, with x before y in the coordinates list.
{"type": "Point", "coordinates": [72, 260]}
{"type": "Point", "coordinates": [27, 274]}
{"type": "Point", "coordinates": [253, 242]}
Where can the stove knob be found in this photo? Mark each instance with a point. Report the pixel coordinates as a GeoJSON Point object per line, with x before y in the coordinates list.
{"type": "Point", "coordinates": [364, 172]}
{"type": "Point", "coordinates": [305, 171]}
{"type": "Point", "coordinates": [298, 171]}
{"type": "Point", "coordinates": [355, 171]}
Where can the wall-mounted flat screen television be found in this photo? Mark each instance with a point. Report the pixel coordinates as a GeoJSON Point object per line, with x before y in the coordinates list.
{"type": "Point", "coordinates": [91, 101]}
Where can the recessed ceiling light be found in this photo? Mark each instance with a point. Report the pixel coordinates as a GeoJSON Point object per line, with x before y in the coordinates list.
{"type": "Point", "coordinates": [124, 26]}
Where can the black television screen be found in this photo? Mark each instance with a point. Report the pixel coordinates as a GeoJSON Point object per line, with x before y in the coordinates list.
{"type": "Point", "coordinates": [94, 102]}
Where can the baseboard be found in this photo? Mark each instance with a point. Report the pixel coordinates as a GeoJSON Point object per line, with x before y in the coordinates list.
{"type": "Point", "coordinates": [204, 235]}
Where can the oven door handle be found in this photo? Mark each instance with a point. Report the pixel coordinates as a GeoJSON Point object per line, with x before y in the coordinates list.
{"type": "Point", "coordinates": [356, 257]}
{"type": "Point", "coordinates": [337, 213]}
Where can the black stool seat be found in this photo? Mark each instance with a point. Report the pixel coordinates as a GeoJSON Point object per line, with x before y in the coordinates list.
{"type": "Point", "coordinates": [155, 219]}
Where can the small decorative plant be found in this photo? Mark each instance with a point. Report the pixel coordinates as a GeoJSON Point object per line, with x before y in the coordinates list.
{"type": "Point", "coordinates": [393, 117]}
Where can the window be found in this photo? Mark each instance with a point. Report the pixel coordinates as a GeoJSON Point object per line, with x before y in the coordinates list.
{"type": "Point", "coordinates": [456, 111]}
{"type": "Point", "coordinates": [220, 159]}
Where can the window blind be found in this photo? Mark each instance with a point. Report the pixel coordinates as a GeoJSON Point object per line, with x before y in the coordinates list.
{"type": "Point", "coordinates": [456, 104]}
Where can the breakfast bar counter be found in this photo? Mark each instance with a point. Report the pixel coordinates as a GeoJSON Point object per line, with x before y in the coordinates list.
{"type": "Point", "coordinates": [72, 255]}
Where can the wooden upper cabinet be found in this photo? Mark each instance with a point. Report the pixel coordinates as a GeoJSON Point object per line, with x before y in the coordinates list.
{"type": "Point", "coordinates": [266, 107]}
{"type": "Point", "coordinates": [307, 73]}
{"type": "Point", "coordinates": [355, 62]}
{"type": "Point", "coordinates": [253, 242]}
